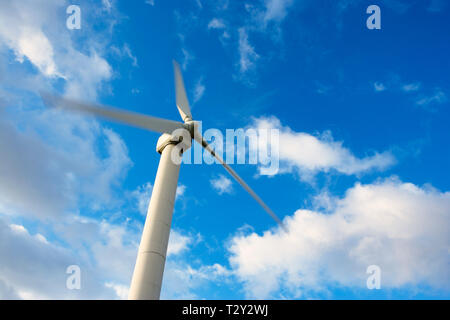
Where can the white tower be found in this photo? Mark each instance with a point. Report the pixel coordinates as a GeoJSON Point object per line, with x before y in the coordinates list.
{"type": "Point", "coordinates": [149, 268]}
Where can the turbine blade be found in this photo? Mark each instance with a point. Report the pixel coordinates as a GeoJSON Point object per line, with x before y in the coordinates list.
{"type": "Point", "coordinates": [181, 97]}
{"type": "Point", "coordinates": [127, 117]}
{"type": "Point", "coordinates": [233, 173]}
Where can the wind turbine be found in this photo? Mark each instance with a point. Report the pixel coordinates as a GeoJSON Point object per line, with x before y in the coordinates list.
{"type": "Point", "coordinates": [149, 267]}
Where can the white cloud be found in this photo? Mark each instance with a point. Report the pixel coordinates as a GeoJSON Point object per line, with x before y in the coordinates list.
{"type": "Point", "coordinates": [85, 74]}
{"type": "Point", "coordinates": [308, 154]}
{"type": "Point", "coordinates": [150, 2]}
{"type": "Point", "coordinates": [32, 269]}
{"type": "Point", "coordinates": [187, 58]}
{"type": "Point", "coordinates": [247, 54]}
{"type": "Point", "coordinates": [35, 269]}
{"type": "Point", "coordinates": [7, 292]}
{"type": "Point", "coordinates": [276, 10]}
{"type": "Point", "coordinates": [55, 163]}
{"type": "Point", "coordinates": [216, 23]}
{"type": "Point", "coordinates": [398, 226]}
{"type": "Point", "coordinates": [378, 86]}
{"type": "Point", "coordinates": [46, 170]}
{"type": "Point", "coordinates": [411, 87]}
{"type": "Point", "coordinates": [35, 32]}
{"type": "Point", "coordinates": [179, 242]}
{"type": "Point", "coordinates": [182, 280]}
{"type": "Point", "coordinates": [115, 250]}
{"type": "Point", "coordinates": [142, 195]}
{"type": "Point", "coordinates": [130, 55]}
{"type": "Point", "coordinates": [219, 24]}
{"type": "Point", "coordinates": [199, 90]}
{"type": "Point", "coordinates": [268, 13]}
{"type": "Point", "coordinates": [438, 97]}
{"type": "Point", "coordinates": [265, 18]}
{"type": "Point", "coordinates": [416, 89]}
{"type": "Point", "coordinates": [22, 230]}
{"type": "Point", "coordinates": [125, 52]}
{"type": "Point", "coordinates": [199, 4]}
{"type": "Point", "coordinates": [18, 228]}
{"type": "Point", "coordinates": [107, 5]}
{"type": "Point", "coordinates": [222, 184]}
{"type": "Point", "coordinates": [120, 290]}
{"type": "Point", "coordinates": [181, 189]}
{"type": "Point", "coordinates": [52, 159]}
{"type": "Point", "coordinates": [27, 40]}
{"type": "Point", "coordinates": [322, 88]}
{"type": "Point", "coordinates": [35, 46]}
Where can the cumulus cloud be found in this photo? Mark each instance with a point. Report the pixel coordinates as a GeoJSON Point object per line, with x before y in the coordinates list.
{"type": "Point", "coordinates": [51, 159]}
{"type": "Point", "coordinates": [120, 290]}
{"type": "Point", "coordinates": [46, 169]}
{"type": "Point", "coordinates": [400, 227]}
{"type": "Point", "coordinates": [112, 251]}
{"type": "Point", "coordinates": [183, 281]}
{"type": "Point", "coordinates": [308, 154]}
{"type": "Point", "coordinates": [55, 164]}
{"type": "Point", "coordinates": [27, 39]}
{"type": "Point", "coordinates": [222, 184]}
{"type": "Point", "coordinates": [35, 269]}
{"type": "Point", "coordinates": [180, 242]}
{"type": "Point", "coordinates": [40, 37]}
{"type": "Point", "coordinates": [115, 251]}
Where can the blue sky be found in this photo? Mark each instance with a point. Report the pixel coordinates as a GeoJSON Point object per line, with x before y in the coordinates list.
{"type": "Point", "coordinates": [363, 119]}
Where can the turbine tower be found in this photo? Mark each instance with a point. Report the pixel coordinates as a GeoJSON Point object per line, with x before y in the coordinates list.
{"type": "Point", "coordinates": [149, 267]}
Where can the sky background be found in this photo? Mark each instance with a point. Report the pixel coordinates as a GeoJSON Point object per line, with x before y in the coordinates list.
{"type": "Point", "coordinates": [364, 147]}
